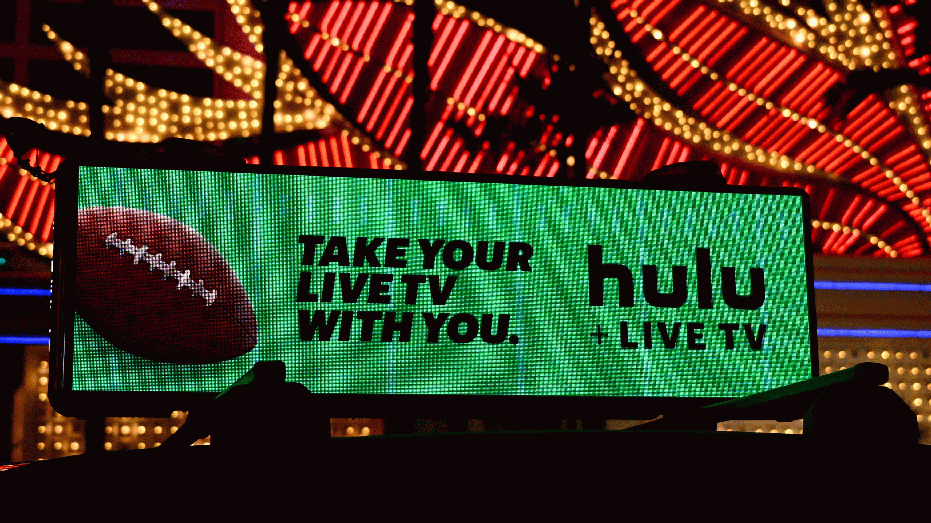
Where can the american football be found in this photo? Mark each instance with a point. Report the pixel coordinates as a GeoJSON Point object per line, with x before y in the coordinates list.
{"type": "Point", "coordinates": [158, 289]}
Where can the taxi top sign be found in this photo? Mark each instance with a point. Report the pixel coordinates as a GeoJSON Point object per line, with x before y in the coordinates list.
{"type": "Point", "coordinates": [368, 284]}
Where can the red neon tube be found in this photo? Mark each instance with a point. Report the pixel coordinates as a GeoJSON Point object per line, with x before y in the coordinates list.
{"type": "Point", "coordinates": [773, 69]}
{"type": "Point", "coordinates": [701, 103]}
{"type": "Point", "coordinates": [673, 68]}
{"type": "Point", "coordinates": [301, 159]}
{"type": "Point", "coordinates": [516, 163]}
{"type": "Point", "coordinates": [322, 54]}
{"type": "Point", "coordinates": [439, 150]}
{"type": "Point", "coordinates": [352, 27]}
{"type": "Point", "coordinates": [789, 99]}
{"type": "Point", "coordinates": [873, 217]}
{"type": "Point", "coordinates": [539, 170]}
{"type": "Point", "coordinates": [658, 162]}
{"type": "Point", "coordinates": [385, 11]}
{"type": "Point", "coordinates": [377, 113]}
{"type": "Point", "coordinates": [667, 55]}
{"type": "Point", "coordinates": [502, 64]}
{"type": "Point", "coordinates": [364, 26]}
{"type": "Point", "coordinates": [466, 77]}
{"type": "Point", "coordinates": [344, 140]}
{"type": "Point", "coordinates": [826, 248]}
{"type": "Point", "coordinates": [441, 41]}
{"type": "Point", "coordinates": [682, 25]}
{"type": "Point", "coordinates": [404, 138]}
{"type": "Point", "coordinates": [340, 19]}
{"type": "Point", "coordinates": [604, 147]}
{"type": "Point", "coordinates": [860, 132]}
{"type": "Point", "coordinates": [325, 23]}
{"type": "Point", "coordinates": [49, 220]}
{"type": "Point", "coordinates": [793, 63]}
{"type": "Point", "coordinates": [731, 108]}
{"type": "Point", "coordinates": [856, 201]}
{"type": "Point", "coordinates": [662, 14]}
{"type": "Point", "coordinates": [389, 116]}
{"type": "Point", "coordinates": [813, 93]}
{"type": "Point", "coordinates": [488, 60]}
{"type": "Point", "coordinates": [37, 215]}
{"type": "Point", "coordinates": [27, 205]}
{"type": "Point", "coordinates": [17, 194]}
{"type": "Point", "coordinates": [748, 76]}
{"type": "Point", "coordinates": [347, 59]}
{"type": "Point", "coordinates": [399, 41]}
{"type": "Point", "coordinates": [849, 243]}
{"type": "Point", "coordinates": [718, 105]}
{"type": "Point", "coordinates": [853, 161]}
{"type": "Point", "coordinates": [827, 204]}
{"type": "Point", "coordinates": [809, 151]}
{"type": "Point", "coordinates": [436, 131]}
{"type": "Point", "coordinates": [698, 49]}
{"type": "Point", "coordinates": [324, 156]}
{"type": "Point", "coordinates": [463, 158]}
{"type": "Point", "coordinates": [335, 148]}
{"type": "Point", "coordinates": [302, 15]}
{"type": "Point", "coordinates": [840, 155]}
{"type": "Point", "coordinates": [858, 219]}
{"type": "Point", "coordinates": [409, 102]}
{"type": "Point", "coordinates": [783, 138]}
{"type": "Point", "coordinates": [628, 147]}
{"type": "Point", "coordinates": [453, 47]}
{"type": "Point", "coordinates": [719, 48]}
{"type": "Point", "coordinates": [352, 80]}
{"type": "Point", "coordinates": [911, 150]}
{"type": "Point", "coordinates": [742, 115]}
{"type": "Point", "coordinates": [749, 57]}
{"type": "Point", "coordinates": [312, 153]}
{"type": "Point", "coordinates": [331, 66]}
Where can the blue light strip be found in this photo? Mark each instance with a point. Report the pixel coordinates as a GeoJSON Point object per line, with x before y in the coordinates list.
{"type": "Point", "coordinates": [24, 340]}
{"type": "Point", "coordinates": [871, 286]}
{"type": "Point", "coordinates": [15, 291]}
{"type": "Point", "coordinates": [873, 333]}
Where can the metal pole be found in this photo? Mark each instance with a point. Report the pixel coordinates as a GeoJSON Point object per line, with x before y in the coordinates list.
{"type": "Point", "coordinates": [99, 57]}
{"type": "Point", "coordinates": [274, 14]}
{"type": "Point", "coordinates": [424, 13]}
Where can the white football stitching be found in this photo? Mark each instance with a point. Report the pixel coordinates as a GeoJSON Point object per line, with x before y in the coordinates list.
{"type": "Point", "coordinates": [155, 262]}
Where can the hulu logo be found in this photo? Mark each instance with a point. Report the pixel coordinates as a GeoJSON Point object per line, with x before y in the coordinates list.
{"type": "Point", "coordinates": [598, 272]}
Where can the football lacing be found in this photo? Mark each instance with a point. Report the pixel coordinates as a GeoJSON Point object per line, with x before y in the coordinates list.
{"type": "Point", "coordinates": [168, 268]}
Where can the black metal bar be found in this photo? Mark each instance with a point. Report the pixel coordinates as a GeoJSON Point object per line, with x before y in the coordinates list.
{"type": "Point", "coordinates": [98, 56]}
{"type": "Point", "coordinates": [273, 13]}
{"type": "Point", "coordinates": [424, 13]}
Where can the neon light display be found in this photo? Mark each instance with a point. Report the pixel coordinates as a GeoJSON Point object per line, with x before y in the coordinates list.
{"type": "Point", "coordinates": [744, 84]}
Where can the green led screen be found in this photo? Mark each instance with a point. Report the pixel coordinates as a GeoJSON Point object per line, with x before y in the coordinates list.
{"type": "Point", "coordinates": [397, 286]}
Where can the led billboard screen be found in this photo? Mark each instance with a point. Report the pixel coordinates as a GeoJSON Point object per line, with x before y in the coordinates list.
{"type": "Point", "coordinates": [375, 284]}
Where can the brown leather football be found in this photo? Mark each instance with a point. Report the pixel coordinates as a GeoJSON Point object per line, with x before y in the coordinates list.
{"type": "Point", "coordinates": [154, 287]}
